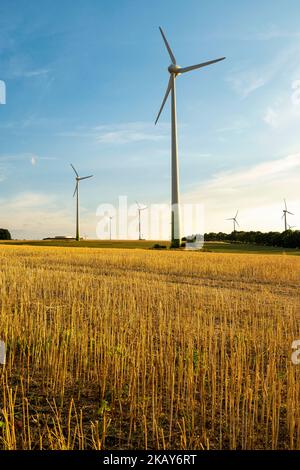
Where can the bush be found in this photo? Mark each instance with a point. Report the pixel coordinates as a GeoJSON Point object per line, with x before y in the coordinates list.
{"type": "Point", "coordinates": [4, 234]}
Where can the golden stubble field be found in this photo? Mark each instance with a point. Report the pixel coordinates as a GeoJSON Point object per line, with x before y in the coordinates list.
{"type": "Point", "coordinates": [122, 349]}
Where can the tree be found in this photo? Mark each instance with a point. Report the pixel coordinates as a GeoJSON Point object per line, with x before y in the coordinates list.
{"type": "Point", "coordinates": [287, 239]}
{"type": "Point", "coordinates": [5, 234]}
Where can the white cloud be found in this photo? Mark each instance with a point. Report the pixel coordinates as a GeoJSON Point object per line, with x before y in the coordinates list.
{"type": "Point", "coordinates": [34, 73]}
{"type": "Point", "coordinates": [271, 117]}
{"type": "Point", "coordinates": [33, 158]}
{"type": "Point", "coordinates": [125, 133]}
{"type": "Point", "coordinates": [272, 33]}
{"type": "Point", "coordinates": [247, 79]}
{"type": "Point", "coordinates": [285, 111]}
{"type": "Point", "coordinates": [2, 174]}
{"type": "Point", "coordinates": [237, 126]}
{"type": "Point", "coordinates": [257, 191]}
{"type": "Point", "coordinates": [130, 132]}
{"type": "Point", "coordinates": [29, 200]}
{"type": "Point", "coordinates": [246, 82]}
{"type": "Point", "coordinates": [35, 215]}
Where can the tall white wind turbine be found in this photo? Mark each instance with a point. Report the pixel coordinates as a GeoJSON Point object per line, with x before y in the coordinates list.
{"type": "Point", "coordinates": [174, 71]}
{"type": "Point", "coordinates": [235, 222]}
{"type": "Point", "coordinates": [140, 209]}
{"type": "Point", "coordinates": [285, 212]}
{"type": "Point", "coordinates": [76, 191]}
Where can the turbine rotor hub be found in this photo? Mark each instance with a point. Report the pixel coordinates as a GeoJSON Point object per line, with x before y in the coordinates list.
{"type": "Point", "coordinates": [174, 68]}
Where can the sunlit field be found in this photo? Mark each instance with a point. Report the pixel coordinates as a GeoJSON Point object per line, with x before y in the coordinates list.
{"type": "Point", "coordinates": [128, 349]}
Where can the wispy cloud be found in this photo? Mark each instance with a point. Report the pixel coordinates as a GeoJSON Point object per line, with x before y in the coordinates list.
{"type": "Point", "coordinates": [34, 73]}
{"type": "Point", "coordinates": [247, 82]}
{"type": "Point", "coordinates": [20, 66]}
{"type": "Point", "coordinates": [271, 117]}
{"type": "Point", "coordinates": [257, 191]}
{"type": "Point", "coordinates": [237, 126]}
{"type": "Point", "coordinates": [38, 214]}
{"type": "Point", "coordinates": [261, 172]}
{"type": "Point", "coordinates": [270, 34]}
{"type": "Point", "coordinates": [2, 173]}
{"type": "Point", "coordinates": [249, 78]}
{"type": "Point", "coordinates": [285, 111]}
{"type": "Point", "coordinates": [124, 133]}
{"type": "Point", "coordinates": [128, 133]}
{"type": "Point", "coordinates": [26, 156]}
{"type": "Point", "coordinates": [30, 200]}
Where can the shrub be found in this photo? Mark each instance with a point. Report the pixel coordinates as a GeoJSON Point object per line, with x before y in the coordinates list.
{"type": "Point", "coordinates": [5, 234]}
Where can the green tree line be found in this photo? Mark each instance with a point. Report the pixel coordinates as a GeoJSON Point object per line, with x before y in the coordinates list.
{"type": "Point", "coordinates": [287, 239]}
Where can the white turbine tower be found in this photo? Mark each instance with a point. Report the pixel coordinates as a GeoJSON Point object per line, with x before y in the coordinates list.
{"type": "Point", "coordinates": [110, 217]}
{"type": "Point", "coordinates": [285, 212]}
{"type": "Point", "coordinates": [76, 191]}
{"type": "Point", "coordinates": [235, 222]}
{"type": "Point", "coordinates": [140, 209]}
{"type": "Point", "coordinates": [174, 71]}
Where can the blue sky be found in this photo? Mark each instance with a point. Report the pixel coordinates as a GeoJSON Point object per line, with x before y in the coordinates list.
{"type": "Point", "coordinates": [84, 82]}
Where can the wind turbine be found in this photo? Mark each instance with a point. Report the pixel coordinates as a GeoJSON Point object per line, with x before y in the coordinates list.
{"type": "Point", "coordinates": [174, 71]}
{"type": "Point", "coordinates": [110, 219]}
{"type": "Point", "coordinates": [291, 227]}
{"type": "Point", "coordinates": [285, 212]}
{"type": "Point", "coordinates": [76, 191]}
{"type": "Point", "coordinates": [140, 209]}
{"type": "Point", "coordinates": [235, 222]}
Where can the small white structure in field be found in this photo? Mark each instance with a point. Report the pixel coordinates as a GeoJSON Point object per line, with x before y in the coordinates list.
{"type": "Point", "coordinates": [2, 353]}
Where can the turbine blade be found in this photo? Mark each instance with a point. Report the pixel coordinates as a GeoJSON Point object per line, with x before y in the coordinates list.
{"type": "Point", "coordinates": [76, 189]}
{"type": "Point", "coordinates": [85, 177]}
{"type": "Point", "coordinates": [199, 66]}
{"type": "Point", "coordinates": [137, 204]}
{"type": "Point", "coordinates": [285, 204]}
{"type": "Point", "coordinates": [165, 99]}
{"type": "Point", "coordinates": [236, 213]}
{"type": "Point", "coordinates": [168, 47]}
{"type": "Point", "coordinates": [290, 213]}
{"type": "Point", "coordinates": [74, 170]}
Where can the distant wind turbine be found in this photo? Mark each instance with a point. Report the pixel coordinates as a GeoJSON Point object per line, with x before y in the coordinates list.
{"type": "Point", "coordinates": [285, 212]}
{"type": "Point", "coordinates": [140, 209]}
{"type": "Point", "coordinates": [76, 191]}
{"type": "Point", "coordinates": [174, 71]}
{"type": "Point", "coordinates": [110, 219]}
{"type": "Point", "coordinates": [291, 227]}
{"type": "Point", "coordinates": [235, 222]}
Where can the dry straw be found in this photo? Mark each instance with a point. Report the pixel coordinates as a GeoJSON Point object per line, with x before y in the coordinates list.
{"type": "Point", "coordinates": [140, 349]}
